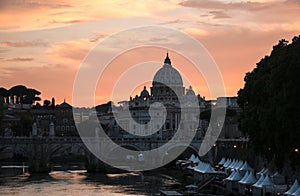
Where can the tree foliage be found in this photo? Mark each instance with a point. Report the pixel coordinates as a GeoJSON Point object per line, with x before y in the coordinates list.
{"type": "Point", "coordinates": [47, 103]}
{"type": "Point", "coordinates": [270, 103]}
{"type": "Point", "coordinates": [206, 115]}
{"type": "Point", "coordinates": [20, 94]}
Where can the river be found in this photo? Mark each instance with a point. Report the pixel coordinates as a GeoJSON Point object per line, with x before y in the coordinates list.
{"type": "Point", "coordinates": [81, 183]}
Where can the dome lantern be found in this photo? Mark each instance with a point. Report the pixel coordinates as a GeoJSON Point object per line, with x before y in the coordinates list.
{"type": "Point", "coordinates": [167, 59]}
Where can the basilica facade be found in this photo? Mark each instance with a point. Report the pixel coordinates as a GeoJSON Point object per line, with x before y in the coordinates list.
{"type": "Point", "coordinates": [176, 107]}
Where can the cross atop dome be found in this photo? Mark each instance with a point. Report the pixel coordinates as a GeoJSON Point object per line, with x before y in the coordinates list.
{"type": "Point", "coordinates": [167, 59]}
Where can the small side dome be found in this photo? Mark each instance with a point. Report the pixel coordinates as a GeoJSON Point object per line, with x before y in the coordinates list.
{"type": "Point", "coordinates": [65, 105]}
{"type": "Point", "coordinates": [144, 93]}
{"type": "Point", "coordinates": [190, 92]}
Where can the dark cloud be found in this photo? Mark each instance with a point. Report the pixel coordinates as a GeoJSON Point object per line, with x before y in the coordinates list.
{"type": "Point", "coordinates": [295, 2]}
{"type": "Point", "coordinates": [53, 66]}
{"type": "Point", "coordinates": [213, 4]}
{"type": "Point", "coordinates": [171, 22]}
{"type": "Point", "coordinates": [3, 50]}
{"type": "Point", "coordinates": [18, 59]}
{"type": "Point", "coordinates": [29, 4]}
{"type": "Point", "coordinates": [98, 36]}
{"type": "Point", "coordinates": [159, 39]}
{"type": "Point", "coordinates": [35, 43]}
{"type": "Point", "coordinates": [94, 39]}
{"type": "Point", "coordinates": [70, 21]}
{"type": "Point", "coordinates": [58, 13]}
{"type": "Point", "coordinates": [219, 14]}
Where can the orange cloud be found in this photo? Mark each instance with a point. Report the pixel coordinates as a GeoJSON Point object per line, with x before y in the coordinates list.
{"type": "Point", "coordinates": [18, 59]}
{"type": "Point", "coordinates": [36, 15]}
{"type": "Point", "coordinates": [43, 43]}
{"type": "Point", "coordinates": [35, 43]}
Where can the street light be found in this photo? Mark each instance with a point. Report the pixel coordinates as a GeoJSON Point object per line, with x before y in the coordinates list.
{"type": "Point", "coordinates": [296, 150]}
{"type": "Point", "coordinates": [234, 146]}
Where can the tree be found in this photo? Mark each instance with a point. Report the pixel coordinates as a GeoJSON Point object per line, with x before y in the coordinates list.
{"type": "Point", "coordinates": [1, 112]}
{"type": "Point", "coordinates": [4, 94]}
{"type": "Point", "coordinates": [270, 103]}
{"type": "Point", "coordinates": [47, 103]}
{"type": "Point", "coordinates": [32, 96]}
{"type": "Point", "coordinates": [206, 115]}
{"type": "Point", "coordinates": [20, 94]}
{"type": "Point", "coordinates": [18, 91]}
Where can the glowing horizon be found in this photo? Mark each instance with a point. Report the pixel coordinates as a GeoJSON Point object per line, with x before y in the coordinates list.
{"type": "Point", "coordinates": [42, 44]}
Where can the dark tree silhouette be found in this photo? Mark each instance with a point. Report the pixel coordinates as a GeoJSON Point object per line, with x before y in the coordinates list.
{"type": "Point", "coordinates": [270, 104]}
{"type": "Point", "coordinates": [47, 103]}
{"type": "Point", "coordinates": [4, 94]}
{"type": "Point", "coordinates": [18, 93]}
{"type": "Point", "coordinates": [32, 96]}
{"type": "Point", "coordinates": [1, 113]}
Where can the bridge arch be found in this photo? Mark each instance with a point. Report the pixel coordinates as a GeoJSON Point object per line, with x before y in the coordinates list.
{"type": "Point", "coordinates": [67, 154]}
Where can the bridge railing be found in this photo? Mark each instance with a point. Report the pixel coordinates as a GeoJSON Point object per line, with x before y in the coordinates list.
{"type": "Point", "coordinates": [115, 139]}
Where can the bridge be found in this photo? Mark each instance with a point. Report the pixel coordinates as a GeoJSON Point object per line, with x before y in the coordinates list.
{"type": "Point", "coordinates": [45, 148]}
{"type": "Point", "coordinates": [75, 144]}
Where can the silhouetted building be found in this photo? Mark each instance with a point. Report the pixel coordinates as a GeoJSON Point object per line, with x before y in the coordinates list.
{"type": "Point", "coordinates": [64, 123]}
{"type": "Point", "coordinates": [167, 89]}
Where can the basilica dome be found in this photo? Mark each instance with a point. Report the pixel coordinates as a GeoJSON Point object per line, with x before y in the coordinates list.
{"type": "Point", "coordinates": [167, 75]}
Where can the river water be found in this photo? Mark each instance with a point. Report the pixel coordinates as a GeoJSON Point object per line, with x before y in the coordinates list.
{"type": "Point", "coordinates": [81, 183]}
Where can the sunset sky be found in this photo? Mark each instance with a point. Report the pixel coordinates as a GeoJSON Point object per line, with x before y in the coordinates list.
{"type": "Point", "coordinates": [43, 43]}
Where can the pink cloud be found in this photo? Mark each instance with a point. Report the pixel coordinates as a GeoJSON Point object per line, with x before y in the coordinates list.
{"type": "Point", "coordinates": [35, 43]}
{"type": "Point", "coordinates": [214, 4]}
{"type": "Point", "coordinates": [18, 59]}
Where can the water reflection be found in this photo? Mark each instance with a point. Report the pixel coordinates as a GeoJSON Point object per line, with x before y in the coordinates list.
{"type": "Point", "coordinates": [81, 183]}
